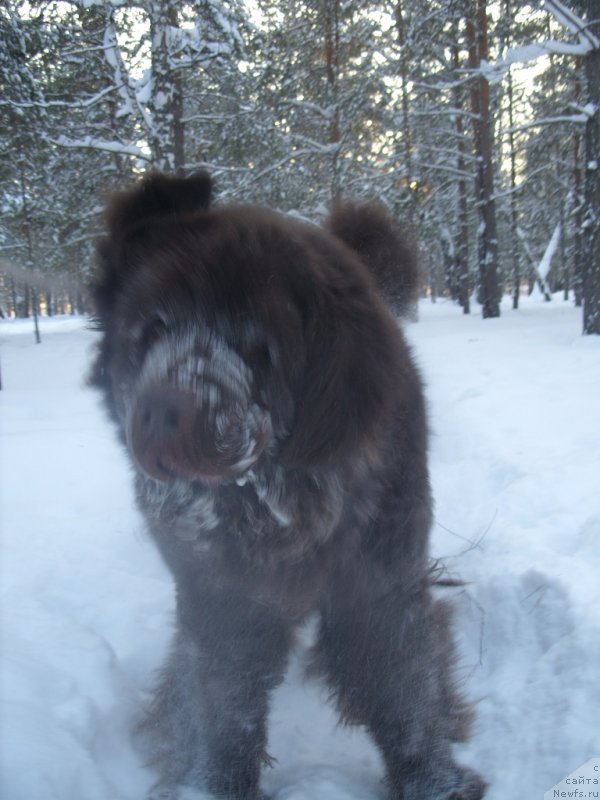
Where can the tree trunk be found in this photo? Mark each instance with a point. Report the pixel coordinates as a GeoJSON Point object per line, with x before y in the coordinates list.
{"type": "Point", "coordinates": [577, 221]}
{"type": "Point", "coordinates": [166, 104]}
{"type": "Point", "coordinates": [28, 238]}
{"type": "Point", "coordinates": [514, 209]}
{"type": "Point", "coordinates": [476, 30]}
{"type": "Point", "coordinates": [535, 274]}
{"type": "Point", "coordinates": [404, 66]}
{"type": "Point", "coordinates": [461, 247]}
{"type": "Point", "coordinates": [591, 266]}
{"type": "Point", "coordinates": [332, 66]}
{"type": "Point", "coordinates": [24, 312]}
{"type": "Point", "coordinates": [14, 297]}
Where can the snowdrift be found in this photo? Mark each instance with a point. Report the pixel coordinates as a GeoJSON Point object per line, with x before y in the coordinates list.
{"type": "Point", "coordinates": [86, 605]}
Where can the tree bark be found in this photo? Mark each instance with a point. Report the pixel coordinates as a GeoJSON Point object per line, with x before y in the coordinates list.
{"type": "Point", "coordinates": [166, 105]}
{"type": "Point", "coordinates": [332, 66]}
{"type": "Point", "coordinates": [476, 30]}
{"type": "Point", "coordinates": [514, 209]}
{"type": "Point", "coordinates": [578, 201]}
{"type": "Point", "coordinates": [404, 66]}
{"type": "Point", "coordinates": [591, 266]}
{"type": "Point", "coordinates": [461, 247]}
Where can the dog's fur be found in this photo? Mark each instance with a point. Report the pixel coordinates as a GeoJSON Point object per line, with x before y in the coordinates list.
{"type": "Point", "coordinates": [276, 420]}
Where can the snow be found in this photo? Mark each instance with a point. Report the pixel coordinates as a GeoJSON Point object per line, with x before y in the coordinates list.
{"type": "Point", "coordinates": [572, 21]}
{"type": "Point", "coordinates": [523, 54]}
{"type": "Point", "coordinates": [549, 253]}
{"type": "Point", "coordinates": [113, 57]}
{"type": "Point", "coordinates": [88, 142]}
{"type": "Point", "coordinates": [86, 605]}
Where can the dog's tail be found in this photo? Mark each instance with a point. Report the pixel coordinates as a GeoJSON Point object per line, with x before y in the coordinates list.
{"type": "Point", "coordinates": [369, 230]}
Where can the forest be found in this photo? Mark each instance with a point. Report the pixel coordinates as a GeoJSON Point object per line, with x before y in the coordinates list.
{"type": "Point", "coordinates": [476, 122]}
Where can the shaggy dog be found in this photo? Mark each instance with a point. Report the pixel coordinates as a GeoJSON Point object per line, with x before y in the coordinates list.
{"type": "Point", "coordinates": [276, 422]}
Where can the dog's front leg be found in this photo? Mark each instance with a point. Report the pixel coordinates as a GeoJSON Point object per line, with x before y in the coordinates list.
{"type": "Point", "coordinates": [388, 656]}
{"type": "Point", "coordinates": [207, 724]}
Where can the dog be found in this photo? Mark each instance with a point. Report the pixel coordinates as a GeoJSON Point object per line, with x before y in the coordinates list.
{"type": "Point", "coordinates": [276, 422]}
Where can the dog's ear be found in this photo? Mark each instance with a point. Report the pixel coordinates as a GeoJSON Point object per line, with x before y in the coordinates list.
{"type": "Point", "coordinates": [158, 195]}
{"type": "Point", "coordinates": [369, 230]}
{"type": "Point", "coordinates": [352, 374]}
{"type": "Point", "coordinates": [131, 216]}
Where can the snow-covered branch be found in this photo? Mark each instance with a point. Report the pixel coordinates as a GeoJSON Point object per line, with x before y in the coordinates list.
{"type": "Point", "coordinates": [87, 102]}
{"type": "Point", "coordinates": [531, 52]}
{"type": "Point", "coordinates": [327, 113]}
{"type": "Point", "coordinates": [444, 168]}
{"type": "Point", "coordinates": [545, 263]}
{"type": "Point", "coordinates": [90, 143]}
{"type": "Point", "coordinates": [132, 92]}
{"type": "Point", "coordinates": [438, 112]}
{"type": "Point", "coordinates": [444, 86]}
{"type": "Point", "coordinates": [115, 61]}
{"type": "Point", "coordinates": [586, 42]}
{"type": "Point", "coordinates": [426, 147]}
{"type": "Point", "coordinates": [316, 147]}
{"type": "Point", "coordinates": [188, 48]}
{"type": "Point", "coordinates": [572, 119]}
{"type": "Point", "coordinates": [541, 279]}
{"type": "Point", "coordinates": [572, 22]}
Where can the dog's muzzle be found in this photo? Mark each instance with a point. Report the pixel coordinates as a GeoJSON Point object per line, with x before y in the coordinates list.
{"type": "Point", "coordinates": [194, 416]}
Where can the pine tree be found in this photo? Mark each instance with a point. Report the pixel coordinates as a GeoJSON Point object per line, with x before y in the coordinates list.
{"type": "Point", "coordinates": [591, 270]}
{"type": "Point", "coordinates": [477, 39]}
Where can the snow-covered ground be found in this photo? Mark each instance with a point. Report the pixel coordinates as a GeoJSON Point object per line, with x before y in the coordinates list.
{"type": "Point", "coordinates": [86, 606]}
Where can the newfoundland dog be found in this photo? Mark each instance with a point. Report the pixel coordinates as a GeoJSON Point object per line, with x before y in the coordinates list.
{"type": "Point", "coordinates": [276, 423]}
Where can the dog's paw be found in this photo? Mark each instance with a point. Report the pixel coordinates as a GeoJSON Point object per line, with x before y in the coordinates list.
{"type": "Point", "coordinates": [448, 783]}
{"type": "Point", "coordinates": [159, 792]}
{"type": "Point", "coordinates": [472, 786]}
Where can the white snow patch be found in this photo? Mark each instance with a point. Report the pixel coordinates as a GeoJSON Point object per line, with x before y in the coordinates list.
{"type": "Point", "coordinates": [546, 262]}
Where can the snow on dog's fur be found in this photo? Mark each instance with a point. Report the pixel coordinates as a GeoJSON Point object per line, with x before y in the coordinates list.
{"type": "Point", "coordinates": [276, 422]}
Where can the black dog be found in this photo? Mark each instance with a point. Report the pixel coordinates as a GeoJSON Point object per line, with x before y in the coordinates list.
{"type": "Point", "coordinates": [276, 421]}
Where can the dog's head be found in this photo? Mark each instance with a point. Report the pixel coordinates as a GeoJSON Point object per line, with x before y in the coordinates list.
{"type": "Point", "coordinates": [233, 334]}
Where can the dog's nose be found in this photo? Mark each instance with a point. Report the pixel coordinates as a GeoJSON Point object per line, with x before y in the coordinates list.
{"type": "Point", "coordinates": [164, 413]}
{"type": "Point", "coordinates": [162, 420]}
{"type": "Point", "coordinates": [174, 433]}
